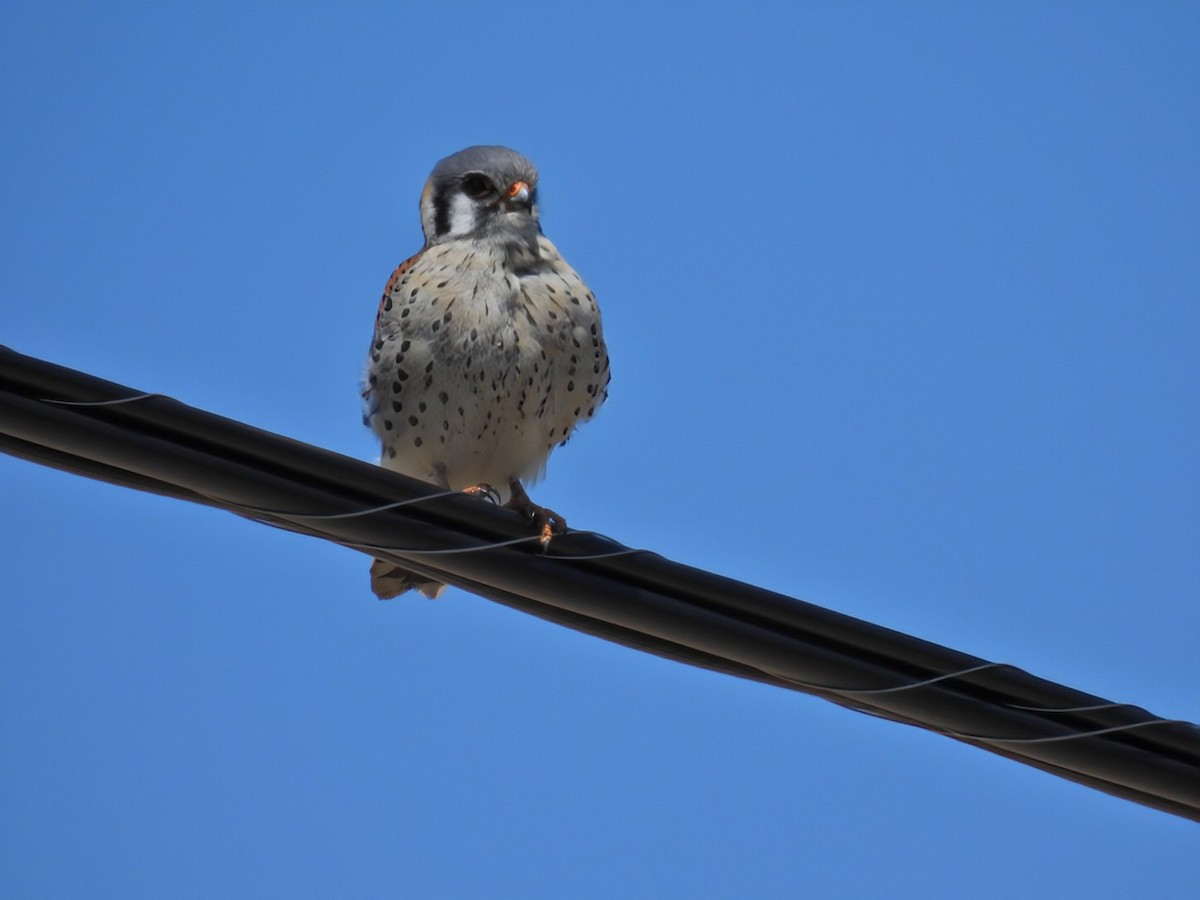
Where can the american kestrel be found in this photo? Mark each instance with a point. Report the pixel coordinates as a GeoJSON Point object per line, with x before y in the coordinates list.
{"type": "Point", "coordinates": [487, 350]}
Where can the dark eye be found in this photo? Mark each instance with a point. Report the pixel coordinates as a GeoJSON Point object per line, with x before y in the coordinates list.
{"type": "Point", "coordinates": [476, 186]}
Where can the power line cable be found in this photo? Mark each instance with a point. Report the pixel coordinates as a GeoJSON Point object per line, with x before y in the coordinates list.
{"type": "Point", "coordinates": [76, 422]}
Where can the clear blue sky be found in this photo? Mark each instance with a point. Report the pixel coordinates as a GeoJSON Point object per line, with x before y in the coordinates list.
{"type": "Point", "coordinates": [902, 301]}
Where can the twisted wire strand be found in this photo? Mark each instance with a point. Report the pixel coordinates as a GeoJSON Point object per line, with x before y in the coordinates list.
{"type": "Point", "coordinates": [449, 551]}
{"type": "Point", "coordinates": [133, 398]}
{"type": "Point", "coordinates": [608, 554]}
{"type": "Point", "coordinates": [1052, 739]}
{"type": "Point", "coordinates": [894, 689]}
{"type": "Point", "coordinates": [1073, 709]}
{"type": "Point", "coordinates": [1058, 738]}
{"type": "Point", "coordinates": [353, 514]}
{"type": "Point", "coordinates": [244, 509]}
{"type": "Point", "coordinates": [914, 685]}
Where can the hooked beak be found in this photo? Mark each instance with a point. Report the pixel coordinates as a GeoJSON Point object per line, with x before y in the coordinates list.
{"type": "Point", "coordinates": [518, 194]}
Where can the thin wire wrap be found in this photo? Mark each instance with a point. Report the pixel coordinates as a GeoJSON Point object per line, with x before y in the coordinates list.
{"type": "Point", "coordinates": [353, 514]}
{"type": "Point", "coordinates": [1095, 707]}
{"type": "Point", "coordinates": [114, 402]}
{"type": "Point", "coordinates": [448, 551]}
{"type": "Point", "coordinates": [593, 584]}
{"type": "Point", "coordinates": [907, 686]}
{"type": "Point", "coordinates": [1075, 736]}
{"type": "Point", "coordinates": [251, 511]}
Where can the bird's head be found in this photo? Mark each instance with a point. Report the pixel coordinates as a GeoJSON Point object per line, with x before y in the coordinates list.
{"type": "Point", "coordinates": [478, 192]}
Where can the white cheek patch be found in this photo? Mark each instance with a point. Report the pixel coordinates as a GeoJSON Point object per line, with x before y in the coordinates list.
{"type": "Point", "coordinates": [462, 215]}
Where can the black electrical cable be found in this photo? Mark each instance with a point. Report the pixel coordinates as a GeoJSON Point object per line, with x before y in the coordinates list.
{"type": "Point", "coordinates": [73, 421]}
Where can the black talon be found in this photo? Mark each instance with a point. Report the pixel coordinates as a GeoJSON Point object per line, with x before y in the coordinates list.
{"type": "Point", "coordinates": [486, 491]}
{"type": "Point", "coordinates": [546, 521]}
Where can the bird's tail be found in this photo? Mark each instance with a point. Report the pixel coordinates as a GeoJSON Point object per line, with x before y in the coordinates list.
{"type": "Point", "coordinates": [388, 580]}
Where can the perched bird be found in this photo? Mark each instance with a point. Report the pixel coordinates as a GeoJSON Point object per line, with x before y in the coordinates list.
{"type": "Point", "coordinates": [488, 349]}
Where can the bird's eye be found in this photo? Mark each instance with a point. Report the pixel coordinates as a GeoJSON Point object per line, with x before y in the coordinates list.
{"type": "Point", "coordinates": [476, 186]}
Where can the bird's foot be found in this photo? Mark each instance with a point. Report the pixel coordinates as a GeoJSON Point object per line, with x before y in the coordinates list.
{"type": "Point", "coordinates": [546, 522]}
{"type": "Point", "coordinates": [486, 491]}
